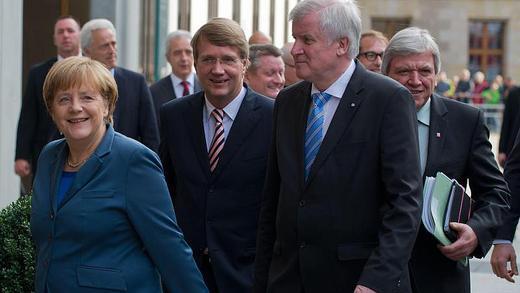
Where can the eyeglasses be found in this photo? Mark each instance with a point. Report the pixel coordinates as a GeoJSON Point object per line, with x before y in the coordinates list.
{"type": "Point", "coordinates": [226, 60]}
{"type": "Point", "coordinates": [371, 56]}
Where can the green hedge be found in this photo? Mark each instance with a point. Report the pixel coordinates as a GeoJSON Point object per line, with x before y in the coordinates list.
{"type": "Point", "coordinates": [17, 251]}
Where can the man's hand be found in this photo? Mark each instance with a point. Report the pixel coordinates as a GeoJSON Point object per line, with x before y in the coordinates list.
{"type": "Point", "coordinates": [502, 159]}
{"type": "Point", "coordinates": [466, 242]}
{"type": "Point", "coordinates": [502, 254]}
{"type": "Point", "coordinates": [22, 168]}
{"type": "Point", "coordinates": [363, 289]}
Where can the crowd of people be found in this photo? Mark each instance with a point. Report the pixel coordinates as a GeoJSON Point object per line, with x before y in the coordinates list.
{"type": "Point", "coordinates": [252, 168]}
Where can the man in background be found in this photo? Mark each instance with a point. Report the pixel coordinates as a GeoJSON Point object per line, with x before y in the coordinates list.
{"type": "Point", "coordinates": [134, 115]}
{"type": "Point", "coordinates": [371, 49]}
{"type": "Point", "coordinates": [35, 126]}
{"type": "Point", "coordinates": [288, 60]}
{"type": "Point", "coordinates": [259, 37]}
{"type": "Point", "coordinates": [265, 73]}
{"type": "Point", "coordinates": [182, 81]}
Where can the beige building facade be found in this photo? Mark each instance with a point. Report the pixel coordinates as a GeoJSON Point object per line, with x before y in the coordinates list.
{"type": "Point", "coordinates": [452, 22]}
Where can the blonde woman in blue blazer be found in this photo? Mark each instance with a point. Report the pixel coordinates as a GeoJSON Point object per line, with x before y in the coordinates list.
{"type": "Point", "coordinates": [102, 218]}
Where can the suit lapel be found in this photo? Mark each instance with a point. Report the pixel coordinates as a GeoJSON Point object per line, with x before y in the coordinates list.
{"type": "Point", "coordinates": [436, 136]}
{"type": "Point", "coordinates": [120, 81]}
{"type": "Point", "coordinates": [242, 127]}
{"type": "Point", "coordinates": [168, 90]}
{"type": "Point", "coordinates": [303, 112]}
{"type": "Point", "coordinates": [348, 105]}
{"type": "Point", "coordinates": [89, 170]}
{"type": "Point", "coordinates": [193, 118]}
{"type": "Point", "coordinates": [56, 170]}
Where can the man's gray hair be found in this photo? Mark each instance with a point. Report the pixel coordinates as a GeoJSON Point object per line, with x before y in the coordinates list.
{"type": "Point", "coordinates": [338, 19]}
{"type": "Point", "coordinates": [412, 40]}
{"type": "Point", "coordinates": [92, 25]}
{"type": "Point", "coordinates": [258, 50]}
{"type": "Point", "coordinates": [174, 35]}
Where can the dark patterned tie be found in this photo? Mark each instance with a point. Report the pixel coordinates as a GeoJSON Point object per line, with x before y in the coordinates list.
{"type": "Point", "coordinates": [186, 87]}
{"type": "Point", "coordinates": [217, 144]}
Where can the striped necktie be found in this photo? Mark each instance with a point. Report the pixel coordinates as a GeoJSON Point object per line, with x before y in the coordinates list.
{"type": "Point", "coordinates": [314, 131]}
{"type": "Point", "coordinates": [217, 144]}
{"type": "Point", "coordinates": [186, 88]}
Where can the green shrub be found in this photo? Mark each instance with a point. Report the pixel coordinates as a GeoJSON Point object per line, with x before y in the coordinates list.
{"type": "Point", "coordinates": [17, 251]}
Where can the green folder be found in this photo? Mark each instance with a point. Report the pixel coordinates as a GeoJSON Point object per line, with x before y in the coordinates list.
{"type": "Point", "coordinates": [436, 194]}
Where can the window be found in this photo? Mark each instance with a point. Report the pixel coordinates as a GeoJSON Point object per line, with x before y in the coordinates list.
{"type": "Point", "coordinates": [486, 47]}
{"type": "Point", "coordinates": [389, 26]}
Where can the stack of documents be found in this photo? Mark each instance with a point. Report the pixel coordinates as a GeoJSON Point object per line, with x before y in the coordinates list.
{"type": "Point", "coordinates": [444, 201]}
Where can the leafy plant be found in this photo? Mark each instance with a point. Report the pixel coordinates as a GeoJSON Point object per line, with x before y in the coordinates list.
{"type": "Point", "coordinates": [17, 250]}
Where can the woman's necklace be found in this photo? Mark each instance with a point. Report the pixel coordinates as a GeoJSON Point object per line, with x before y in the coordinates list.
{"type": "Point", "coordinates": [75, 165]}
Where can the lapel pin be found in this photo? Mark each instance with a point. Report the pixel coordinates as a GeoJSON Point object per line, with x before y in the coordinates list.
{"type": "Point", "coordinates": [352, 105]}
{"type": "Point", "coordinates": [438, 134]}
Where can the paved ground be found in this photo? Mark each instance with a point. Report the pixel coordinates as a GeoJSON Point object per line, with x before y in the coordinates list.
{"type": "Point", "coordinates": [482, 278]}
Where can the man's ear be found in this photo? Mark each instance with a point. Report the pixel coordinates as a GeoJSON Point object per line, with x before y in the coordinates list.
{"type": "Point", "coordinates": [343, 44]}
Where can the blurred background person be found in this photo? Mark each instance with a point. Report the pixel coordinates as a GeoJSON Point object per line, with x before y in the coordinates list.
{"type": "Point", "coordinates": [288, 60]}
{"type": "Point", "coordinates": [464, 87]}
{"type": "Point", "coordinates": [35, 127]}
{"type": "Point", "coordinates": [134, 115]}
{"type": "Point", "coordinates": [259, 37]}
{"type": "Point", "coordinates": [479, 85]}
{"type": "Point", "coordinates": [101, 216]}
{"type": "Point", "coordinates": [371, 49]}
{"type": "Point", "coordinates": [443, 85]}
{"type": "Point", "coordinates": [182, 81]}
{"type": "Point", "coordinates": [265, 74]}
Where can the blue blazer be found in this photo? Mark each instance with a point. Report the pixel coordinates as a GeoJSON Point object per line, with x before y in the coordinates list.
{"type": "Point", "coordinates": [115, 228]}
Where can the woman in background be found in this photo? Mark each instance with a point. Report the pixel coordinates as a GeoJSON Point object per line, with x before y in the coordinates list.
{"type": "Point", "coordinates": [102, 218]}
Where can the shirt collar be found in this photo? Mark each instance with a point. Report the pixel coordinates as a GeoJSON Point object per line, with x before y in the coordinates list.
{"type": "Point", "coordinates": [176, 80]}
{"type": "Point", "coordinates": [231, 110]}
{"type": "Point", "coordinates": [423, 115]}
{"type": "Point", "coordinates": [337, 88]}
{"type": "Point", "coordinates": [61, 58]}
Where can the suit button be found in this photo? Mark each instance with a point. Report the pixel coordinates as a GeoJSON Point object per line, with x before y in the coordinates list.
{"type": "Point", "coordinates": [49, 237]}
{"type": "Point", "coordinates": [302, 203]}
{"type": "Point", "coordinates": [302, 245]}
{"type": "Point", "coordinates": [45, 263]}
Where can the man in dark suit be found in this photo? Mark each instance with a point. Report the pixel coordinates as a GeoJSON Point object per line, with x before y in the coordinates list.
{"type": "Point", "coordinates": [182, 81]}
{"type": "Point", "coordinates": [453, 139]}
{"type": "Point", "coordinates": [134, 115]}
{"type": "Point", "coordinates": [214, 147]}
{"type": "Point", "coordinates": [510, 125]}
{"type": "Point", "coordinates": [503, 250]}
{"type": "Point", "coordinates": [35, 126]}
{"type": "Point", "coordinates": [339, 215]}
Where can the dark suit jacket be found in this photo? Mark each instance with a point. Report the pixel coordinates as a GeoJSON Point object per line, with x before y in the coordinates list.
{"type": "Point", "coordinates": [218, 210]}
{"type": "Point", "coordinates": [510, 121]}
{"type": "Point", "coordinates": [356, 218]}
{"type": "Point", "coordinates": [35, 126]}
{"type": "Point", "coordinates": [462, 151]}
{"type": "Point", "coordinates": [162, 92]}
{"type": "Point", "coordinates": [512, 176]}
{"type": "Point", "coordinates": [115, 229]}
{"type": "Point", "coordinates": [134, 115]}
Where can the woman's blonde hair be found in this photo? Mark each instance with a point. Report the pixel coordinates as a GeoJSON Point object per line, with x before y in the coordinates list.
{"type": "Point", "coordinates": [77, 71]}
